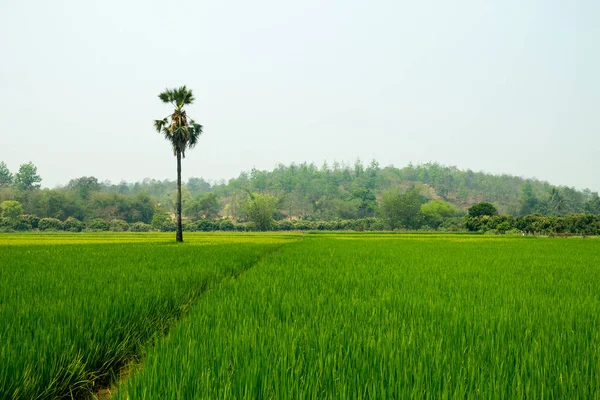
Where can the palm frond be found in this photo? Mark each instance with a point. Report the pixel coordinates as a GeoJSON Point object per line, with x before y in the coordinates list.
{"type": "Point", "coordinates": [159, 124]}
{"type": "Point", "coordinates": [166, 96]}
{"type": "Point", "coordinates": [177, 128]}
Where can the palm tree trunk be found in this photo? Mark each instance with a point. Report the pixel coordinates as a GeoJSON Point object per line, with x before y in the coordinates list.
{"type": "Point", "coordinates": [179, 235]}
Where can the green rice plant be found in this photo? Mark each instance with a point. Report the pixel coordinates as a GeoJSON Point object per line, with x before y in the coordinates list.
{"type": "Point", "coordinates": [76, 308]}
{"type": "Point", "coordinates": [354, 316]}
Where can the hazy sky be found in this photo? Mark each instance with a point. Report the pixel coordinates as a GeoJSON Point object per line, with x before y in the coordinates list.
{"type": "Point", "coordinates": [506, 86]}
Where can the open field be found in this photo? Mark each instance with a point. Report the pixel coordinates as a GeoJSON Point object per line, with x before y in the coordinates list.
{"type": "Point", "coordinates": [319, 316]}
{"type": "Point", "coordinates": [74, 308]}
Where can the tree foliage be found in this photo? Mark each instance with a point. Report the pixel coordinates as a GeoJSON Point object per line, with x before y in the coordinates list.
{"type": "Point", "coordinates": [401, 209]}
{"type": "Point", "coordinates": [27, 177]}
{"type": "Point", "coordinates": [6, 177]}
{"type": "Point", "coordinates": [261, 209]}
{"type": "Point", "coordinates": [481, 209]}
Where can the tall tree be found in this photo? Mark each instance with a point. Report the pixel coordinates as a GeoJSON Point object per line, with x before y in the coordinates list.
{"type": "Point", "coordinates": [6, 177]}
{"type": "Point", "coordinates": [27, 177]}
{"type": "Point", "coordinates": [183, 133]}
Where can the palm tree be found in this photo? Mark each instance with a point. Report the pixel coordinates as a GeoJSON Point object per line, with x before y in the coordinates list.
{"type": "Point", "coordinates": [183, 133]}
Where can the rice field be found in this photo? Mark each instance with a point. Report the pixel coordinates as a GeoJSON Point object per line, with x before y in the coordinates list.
{"type": "Point", "coordinates": [76, 308]}
{"type": "Point", "coordinates": [318, 316]}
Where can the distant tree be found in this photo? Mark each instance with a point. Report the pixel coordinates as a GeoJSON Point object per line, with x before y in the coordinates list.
{"type": "Point", "coordinates": [205, 206]}
{"type": "Point", "coordinates": [84, 186]}
{"type": "Point", "coordinates": [592, 206]}
{"type": "Point", "coordinates": [181, 133]}
{"type": "Point", "coordinates": [556, 202]}
{"type": "Point", "coordinates": [27, 177]}
{"type": "Point", "coordinates": [197, 186]}
{"type": "Point", "coordinates": [482, 209]}
{"type": "Point", "coordinates": [529, 203]}
{"type": "Point", "coordinates": [436, 211]}
{"type": "Point", "coordinates": [11, 210]}
{"type": "Point", "coordinates": [142, 207]}
{"type": "Point", "coordinates": [260, 209]}
{"type": "Point", "coordinates": [368, 202]}
{"type": "Point", "coordinates": [401, 209]}
{"type": "Point", "coordinates": [6, 177]}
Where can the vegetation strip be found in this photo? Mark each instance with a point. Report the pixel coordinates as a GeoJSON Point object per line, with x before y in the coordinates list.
{"type": "Point", "coordinates": [72, 315]}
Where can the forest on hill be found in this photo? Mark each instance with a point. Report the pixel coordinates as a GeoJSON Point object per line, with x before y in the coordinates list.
{"type": "Point", "coordinates": [295, 192]}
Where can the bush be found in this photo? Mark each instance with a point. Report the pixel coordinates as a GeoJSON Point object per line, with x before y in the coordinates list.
{"type": "Point", "coordinates": [161, 221]}
{"type": "Point", "coordinates": [118, 225]}
{"type": "Point", "coordinates": [22, 226]}
{"type": "Point", "coordinates": [168, 226]}
{"type": "Point", "coordinates": [189, 226]}
{"type": "Point", "coordinates": [50, 224]}
{"type": "Point", "coordinates": [226, 225]}
{"type": "Point", "coordinates": [98, 224]}
{"type": "Point", "coordinates": [482, 209]}
{"type": "Point", "coordinates": [206, 226]}
{"type": "Point", "coordinates": [284, 225]}
{"type": "Point", "coordinates": [30, 219]}
{"type": "Point", "coordinates": [73, 225]}
{"type": "Point", "coordinates": [139, 227]}
{"type": "Point", "coordinates": [249, 227]}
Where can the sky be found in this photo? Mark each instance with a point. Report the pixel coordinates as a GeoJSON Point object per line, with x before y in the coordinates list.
{"type": "Point", "coordinates": [509, 86]}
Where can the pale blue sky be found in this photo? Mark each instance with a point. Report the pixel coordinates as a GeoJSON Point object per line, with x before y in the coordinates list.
{"type": "Point", "coordinates": [504, 86]}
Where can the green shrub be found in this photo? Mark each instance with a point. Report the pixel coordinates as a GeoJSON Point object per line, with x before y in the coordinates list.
{"type": "Point", "coordinates": [50, 224]}
{"type": "Point", "coordinates": [73, 225]}
{"type": "Point", "coordinates": [140, 227]}
{"type": "Point", "coordinates": [118, 225]}
{"type": "Point", "coordinates": [161, 221]}
{"type": "Point", "coordinates": [98, 224]}
{"type": "Point", "coordinates": [22, 225]}
{"type": "Point", "coordinates": [189, 226]}
{"type": "Point", "coordinates": [206, 226]}
{"type": "Point", "coordinates": [30, 219]}
{"type": "Point", "coordinates": [226, 225]}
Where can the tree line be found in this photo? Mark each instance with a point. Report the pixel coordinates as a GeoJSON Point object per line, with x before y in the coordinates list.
{"type": "Point", "coordinates": [330, 197]}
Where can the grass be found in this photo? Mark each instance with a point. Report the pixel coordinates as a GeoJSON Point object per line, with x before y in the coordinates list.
{"type": "Point", "coordinates": [392, 316]}
{"type": "Point", "coordinates": [330, 316]}
{"type": "Point", "coordinates": [75, 308]}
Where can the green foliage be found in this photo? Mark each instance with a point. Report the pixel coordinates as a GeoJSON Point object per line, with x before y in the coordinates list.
{"type": "Point", "coordinates": [161, 221]}
{"type": "Point", "coordinates": [84, 186]}
{"type": "Point", "coordinates": [260, 209]}
{"type": "Point", "coordinates": [481, 209]}
{"type": "Point", "coordinates": [140, 227]}
{"type": "Point", "coordinates": [206, 226]}
{"type": "Point", "coordinates": [6, 177]}
{"type": "Point", "coordinates": [50, 224]}
{"type": "Point", "coordinates": [436, 212]}
{"type": "Point", "coordinates": [31, 220]}
{"type": "Point", "coordinates": [98, 224]}
{"type": "Point", "coordinates": [118, 225]}
{"type": "Point", "coordinates": [592, 206]}
{"type": "Point", "coordinates": [11, 210]}
{"type": "Point", "coordinates": [401, 209]}
{"type": "Point", "coordinates": [190, 226]}
{"type": "Point", "coordinates": [27, 177]}
{"type": "Point", "coordinates": [73, 225]}
{"type": "Point", "coordinates": [204, 206]}
{"type": "Point", "coordinates": [367, 202]}
{"type": "Point", "coordinates": [226, 225]}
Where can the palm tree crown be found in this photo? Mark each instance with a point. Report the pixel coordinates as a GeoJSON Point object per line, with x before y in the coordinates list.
{"type": "Point", "coordinates": [182, 132]}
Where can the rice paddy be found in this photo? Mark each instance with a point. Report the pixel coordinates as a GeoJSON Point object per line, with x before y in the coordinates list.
{"type": "Point", "coordinates": [314, 316]}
